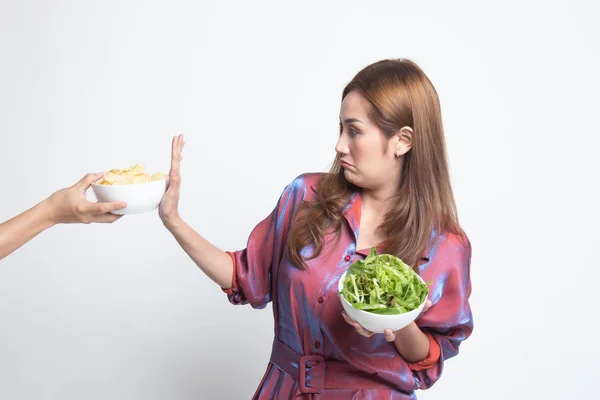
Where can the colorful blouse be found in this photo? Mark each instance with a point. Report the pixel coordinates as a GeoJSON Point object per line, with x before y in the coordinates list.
{"type": "Point", "coordinates": [316, 354]}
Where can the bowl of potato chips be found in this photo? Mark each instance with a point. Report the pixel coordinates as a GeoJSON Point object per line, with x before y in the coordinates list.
{"type": "Point", "coordinates": [140, 190]}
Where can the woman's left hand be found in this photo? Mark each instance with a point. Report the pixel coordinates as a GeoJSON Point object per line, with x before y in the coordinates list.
{"type": "Point", "coordinates": [390, 335]}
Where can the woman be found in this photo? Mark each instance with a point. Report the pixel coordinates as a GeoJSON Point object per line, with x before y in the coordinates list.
{"type": "Point", "coordinates": [389, 188]}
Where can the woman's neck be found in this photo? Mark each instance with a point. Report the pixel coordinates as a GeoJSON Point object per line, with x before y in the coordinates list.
{"type": "Point", "coordinates": [378, 201]}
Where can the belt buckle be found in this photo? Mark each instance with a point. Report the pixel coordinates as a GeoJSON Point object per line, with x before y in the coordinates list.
{"type": "Point", "coordinates": [314, 381]}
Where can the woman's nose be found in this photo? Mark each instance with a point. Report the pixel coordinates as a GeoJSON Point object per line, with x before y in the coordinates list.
{"type": "Point", "coordinates": [341, 147]}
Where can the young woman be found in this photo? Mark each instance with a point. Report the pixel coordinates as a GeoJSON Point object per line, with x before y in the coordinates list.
{"type": "Point", "coordinates": [389, 188]}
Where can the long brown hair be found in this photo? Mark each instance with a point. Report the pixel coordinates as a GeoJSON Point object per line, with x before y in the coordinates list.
{"type": "Point", "coordinates": [399, 94]}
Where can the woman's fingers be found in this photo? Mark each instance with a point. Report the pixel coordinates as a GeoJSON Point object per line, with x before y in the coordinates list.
{"type": "Point", "coordinates": [428, 304]}
{"type": "Point", "coordinates": [362, 331]}
{"type": "Point", "coordinates": [103, 208]}
{"type": "Point", "coordinates": [175, 174]}
{"type": "Point", "coordinates": [106, 218]}
{"type": "Point", "coordinates": [390, 336]}
{"type": "Point", "coordinates": [173, 152]}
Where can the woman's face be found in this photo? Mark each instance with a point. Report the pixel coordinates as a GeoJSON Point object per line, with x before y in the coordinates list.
{"type": "Point", "coordinates": [368, 158]}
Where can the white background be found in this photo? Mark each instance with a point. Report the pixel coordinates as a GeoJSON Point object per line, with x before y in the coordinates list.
{"type": "Point", "coordinates": [120, 312]}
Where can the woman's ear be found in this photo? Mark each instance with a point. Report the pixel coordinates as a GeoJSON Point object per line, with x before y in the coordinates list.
{"type": "Point", "coordinates": [403, 141]}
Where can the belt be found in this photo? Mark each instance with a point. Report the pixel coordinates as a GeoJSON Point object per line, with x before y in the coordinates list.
{"type": "Point", "coordinates": [314, 374]}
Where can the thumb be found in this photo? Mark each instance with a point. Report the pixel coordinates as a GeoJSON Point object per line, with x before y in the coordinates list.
{"type": "Point", "coordinates": [87, 180]}
{"type": "Point", "coordinates": [428, 304]}
{"type": "Point", "coordinates": [389, 335]}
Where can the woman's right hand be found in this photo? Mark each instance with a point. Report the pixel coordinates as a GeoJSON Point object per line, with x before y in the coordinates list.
{"type": "Point", "coordinates": [169, 205]}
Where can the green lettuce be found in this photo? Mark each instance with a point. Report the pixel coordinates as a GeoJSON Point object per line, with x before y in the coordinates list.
{"type": "Point", "coordinates": [383, 284]}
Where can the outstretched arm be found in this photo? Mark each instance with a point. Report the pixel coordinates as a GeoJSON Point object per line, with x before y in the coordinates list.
{"type": "Point", "coordinates": [215, 263]}
{"type": "Point", "coordinates": [67, 205]}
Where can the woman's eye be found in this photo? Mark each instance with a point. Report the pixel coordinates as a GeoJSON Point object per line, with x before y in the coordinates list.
{"type": "Point", "coordinates": [351, 131]}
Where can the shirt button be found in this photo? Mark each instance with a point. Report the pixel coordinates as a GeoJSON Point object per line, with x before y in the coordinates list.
{"type": "Point", "coordinates": [347, 258]}
{"type": "Point", "coordinates": [320, 300]}
{"type": "Point", "coordinates": [317, 344]}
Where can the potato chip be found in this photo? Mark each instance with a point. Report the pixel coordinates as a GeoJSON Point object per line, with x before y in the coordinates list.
{"type": "Point", "coordinates": [132, 175]}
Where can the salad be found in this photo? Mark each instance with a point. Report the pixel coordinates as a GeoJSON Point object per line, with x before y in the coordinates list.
{"type": "Point", "coordinates": [383, 284]}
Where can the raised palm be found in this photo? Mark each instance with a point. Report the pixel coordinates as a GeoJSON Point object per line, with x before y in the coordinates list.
{"type": "Point", "coordinates": [169, 205]}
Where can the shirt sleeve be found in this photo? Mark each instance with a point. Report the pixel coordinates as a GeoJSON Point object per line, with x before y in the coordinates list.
{"type": "Point", "coordinates": [449, 320]}
{"type": "Point", "coordinates": [253, 266]}
{"type": "Point", "coordinates": [432, 357]}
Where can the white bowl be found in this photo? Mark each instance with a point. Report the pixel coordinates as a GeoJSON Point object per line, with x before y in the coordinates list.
{"type": "Point", "coordinates": [378, 323]}
{"type": "Point", "coordinates": [140, 197]}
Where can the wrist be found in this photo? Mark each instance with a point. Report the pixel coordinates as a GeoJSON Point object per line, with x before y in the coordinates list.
{"type": "Point", "coordinates": [44, 214]}
{"type": "Point", "coordinates": [412, 343]}
{"type": "Point", "coordinates": [408, 332]}
{"type": "Point", "coordinates": [172, 223]}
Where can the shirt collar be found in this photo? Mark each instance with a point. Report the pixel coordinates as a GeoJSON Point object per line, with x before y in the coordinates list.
{"type": "Point", "coordinates": [352, 213]}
